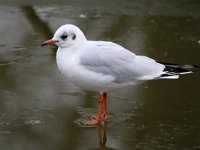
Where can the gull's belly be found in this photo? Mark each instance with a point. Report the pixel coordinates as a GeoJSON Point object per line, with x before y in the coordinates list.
{"type": "Point", "coordinates": [89, 80]}
{"type": "Point", "coordinates": [84, 78]}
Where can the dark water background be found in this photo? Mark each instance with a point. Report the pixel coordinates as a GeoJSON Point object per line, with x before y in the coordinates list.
{"type": "Point", "coordinates": [40, 110]}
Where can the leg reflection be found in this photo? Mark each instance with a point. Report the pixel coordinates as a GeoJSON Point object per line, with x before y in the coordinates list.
{"type": "Point", "coordinates": [102, 136]}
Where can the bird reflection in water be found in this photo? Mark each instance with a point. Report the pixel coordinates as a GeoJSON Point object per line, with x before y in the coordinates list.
{"type": "Point", "coordinates": [102, 135]}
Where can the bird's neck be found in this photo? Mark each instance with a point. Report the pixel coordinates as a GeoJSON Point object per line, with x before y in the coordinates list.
{"type": "Point", "coordinates": [72, 50]}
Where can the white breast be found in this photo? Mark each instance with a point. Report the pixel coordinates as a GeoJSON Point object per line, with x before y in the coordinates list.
{"type": "Point", "coordinates": [68, 64]}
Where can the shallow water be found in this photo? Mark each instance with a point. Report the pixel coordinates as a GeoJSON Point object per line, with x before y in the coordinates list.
{"type": "Point", "coordinates": [40, 110]}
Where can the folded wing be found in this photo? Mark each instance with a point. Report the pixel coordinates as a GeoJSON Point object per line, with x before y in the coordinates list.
{"type": "Point", "coordinates": [111, 59]}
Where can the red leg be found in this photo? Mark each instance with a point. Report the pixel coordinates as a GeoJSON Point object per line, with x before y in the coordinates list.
{"type": "Point", "coordinates": [101, 100]}
{"type": "Point", "coordinates": [105, 115]}
{"type": "Point", "coordinates": [98, 118]}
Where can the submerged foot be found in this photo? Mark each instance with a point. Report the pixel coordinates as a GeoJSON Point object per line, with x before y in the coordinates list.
{"type": "Point", "coordinates": [95, 120]}
{"type": "Point", "coordinates": [90, 122]}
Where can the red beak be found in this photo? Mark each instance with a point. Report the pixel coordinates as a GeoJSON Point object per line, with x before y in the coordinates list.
{"type": "Point", "coordinates": [48, 42]}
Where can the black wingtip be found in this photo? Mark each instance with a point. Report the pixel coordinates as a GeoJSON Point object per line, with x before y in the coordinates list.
{"type": "Point", "coordinates": [196, 68]}
{"type": "Point", "coordinates": [193, 68]}
{"type": "Point", "coordinates": [177, 68]}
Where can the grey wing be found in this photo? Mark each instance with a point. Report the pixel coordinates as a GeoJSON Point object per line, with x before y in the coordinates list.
{"type": "Point", "coordinates": [111, 59]}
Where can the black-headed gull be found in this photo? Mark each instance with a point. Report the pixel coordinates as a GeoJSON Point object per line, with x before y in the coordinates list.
{"type": "Point", "coordinates": [105, 66]}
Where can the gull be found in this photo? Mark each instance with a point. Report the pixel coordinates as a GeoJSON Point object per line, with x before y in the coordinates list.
{"type": "Point", "coordinates": [104, 66]}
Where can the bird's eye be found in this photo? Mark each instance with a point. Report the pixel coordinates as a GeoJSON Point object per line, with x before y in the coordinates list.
{"type": "Point", "coordinates": [63, 37]}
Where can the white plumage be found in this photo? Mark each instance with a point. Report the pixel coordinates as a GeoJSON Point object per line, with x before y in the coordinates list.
{"type": "Point", "coordinates": [105, 66]}
{"type": "Point", "coordinates": [101, 65]}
